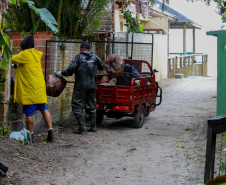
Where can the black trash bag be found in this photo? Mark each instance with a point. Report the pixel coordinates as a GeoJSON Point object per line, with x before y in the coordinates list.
{"type": "Point", "coordinates": [55, 85]}
{"type": "Point", "coordinates": [124, 79]}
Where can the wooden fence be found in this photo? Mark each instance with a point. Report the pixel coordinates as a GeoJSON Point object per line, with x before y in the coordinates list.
{"type": "Point", "coordinates": [187, 65]}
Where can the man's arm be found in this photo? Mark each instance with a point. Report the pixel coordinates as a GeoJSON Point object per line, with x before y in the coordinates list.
{"type": "Point", "coordinates": [100, 64]}
{"type": "Point", "coordinates": [70, 70]}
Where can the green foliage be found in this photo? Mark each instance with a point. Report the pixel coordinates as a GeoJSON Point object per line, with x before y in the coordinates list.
{"type": "Point", "coordinates": [42, 14]}
{"type": "Point", "coordinates": [131, 23]}
{"type": "Point", "coordinates": [220, 4]}
{"type": "Point", "coordinates": [189, 129]}
{"type": "Point", "coordinates": [24, 10]}
{"type": "Point", "coordinates": [180, 146]}
{"type": "Point", "coordinates": [224, 17]}
{"type": "Point", "coordinates": [6, 53]}
{"type": "Point", "coordinates": [14, 115]}
{"type": "Point", "coordinates": [4, 130]}
{"type": "Point", "coordinates": [74, 17]}
{"type": "Point", "coordinates": [24, 34]}
{"type": "Point", "coordinates": [222, 167]}
{"type": "Point", "coordinates": [141, 27]}
{"type": "Point", "coordinates": [62, 45]}
{"type": "Point", "coordinates": [224, 14]}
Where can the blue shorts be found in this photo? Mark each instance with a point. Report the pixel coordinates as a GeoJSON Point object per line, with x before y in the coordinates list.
{"type": "Point", "coordinates": [30, 109]}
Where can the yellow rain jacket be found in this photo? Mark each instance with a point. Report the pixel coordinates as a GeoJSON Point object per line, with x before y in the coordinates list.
{"type": "Point", "coordinates": [30, 85]}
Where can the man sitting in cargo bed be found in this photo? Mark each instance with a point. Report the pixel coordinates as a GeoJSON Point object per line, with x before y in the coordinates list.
{"type": "Point", "coordinates": [128, 74]}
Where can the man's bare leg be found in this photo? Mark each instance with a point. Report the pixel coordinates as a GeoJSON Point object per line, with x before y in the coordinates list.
{"type": "Point", "coordinates": [30, 123]}
{"type": "Point", "coordinates": [47, 118]}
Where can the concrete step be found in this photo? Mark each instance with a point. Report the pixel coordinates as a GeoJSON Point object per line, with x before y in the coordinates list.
{"type": "Point", "coordinates": [179, 76]}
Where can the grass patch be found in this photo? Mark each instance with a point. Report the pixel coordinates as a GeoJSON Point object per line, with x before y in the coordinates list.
{"type": "Point", "coordinates": [189, 129]}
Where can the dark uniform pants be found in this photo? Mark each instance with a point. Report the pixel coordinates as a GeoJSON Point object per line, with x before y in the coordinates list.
{"type": "Point", "coordinates": [84, 98]}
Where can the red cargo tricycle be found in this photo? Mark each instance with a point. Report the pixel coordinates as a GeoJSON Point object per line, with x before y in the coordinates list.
{"type": "Point", "coordinates": [138, 98]}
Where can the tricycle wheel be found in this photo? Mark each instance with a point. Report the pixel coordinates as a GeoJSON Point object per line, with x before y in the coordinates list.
{"type": "Point", "coordinates": [139, 117]}
{"type": "Point", "coordinates": [99, 117]}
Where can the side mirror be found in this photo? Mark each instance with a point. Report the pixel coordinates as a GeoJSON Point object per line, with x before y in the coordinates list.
{"type": "Point", "coordinates": [155, 71]}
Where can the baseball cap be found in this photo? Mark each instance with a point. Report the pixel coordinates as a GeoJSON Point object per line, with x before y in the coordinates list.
{"type": "Point", "coordinates": [85, 45]}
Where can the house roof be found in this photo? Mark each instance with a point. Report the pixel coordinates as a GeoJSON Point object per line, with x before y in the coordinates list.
{"type": "Point", "coordinates": [180, 19]}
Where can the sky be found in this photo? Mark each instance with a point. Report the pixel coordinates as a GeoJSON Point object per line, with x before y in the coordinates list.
{"type": "Point", "coordinates": [205, 16]}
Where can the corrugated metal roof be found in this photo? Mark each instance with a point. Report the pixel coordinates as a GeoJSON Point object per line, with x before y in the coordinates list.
{"type": "Point", "coordinates": [180, 18]}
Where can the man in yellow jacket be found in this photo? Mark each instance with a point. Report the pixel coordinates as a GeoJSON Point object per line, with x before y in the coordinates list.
{"type": "Point", "coordinates": [30, 88]}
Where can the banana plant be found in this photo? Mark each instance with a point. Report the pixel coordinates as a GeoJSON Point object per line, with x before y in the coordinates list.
{"type": "Point", "coordinates": [6, 53]}
{"type": "Point", "coordinates": [44, 14]}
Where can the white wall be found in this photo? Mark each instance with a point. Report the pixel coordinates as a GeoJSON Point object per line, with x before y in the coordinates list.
{"type": "Point", "coordinates": [118, 17]}
{"type": "Point", "coordinates": [160, 56]}
{"type": "Point", "coordinates": [159, 52]}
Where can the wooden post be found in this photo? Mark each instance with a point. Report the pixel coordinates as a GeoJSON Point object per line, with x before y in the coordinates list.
{"type": "Point", "coordinates": [184, 61]}
{"type": "Point", "coordinates": [184, 38]}
{"type": "Point", "coordinates": [180, 62]}
{"type": "Point", "coordinates": [176, 63]}
{"type": "Point", "coordinates": [169, 68]}
{"type": "Point", "coordinates": [210, 154]}
{"type": "Point", "coordinates": [169, 64]}
{"type": "Point", "coordinates": [173, 68]}
{"type": "Point", "coordinates": [216, 125]}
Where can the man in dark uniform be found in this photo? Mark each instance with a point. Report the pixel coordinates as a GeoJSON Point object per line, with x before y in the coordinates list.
{"type": "Point", "coordinates": [84, 66]}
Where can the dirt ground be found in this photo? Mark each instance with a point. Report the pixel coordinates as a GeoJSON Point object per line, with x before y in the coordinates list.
{"type": "Point", "coordinates": [169, 149]}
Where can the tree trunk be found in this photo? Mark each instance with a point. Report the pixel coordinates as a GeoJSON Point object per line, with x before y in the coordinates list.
{"type": "Point", "coordinates": [59, 14]}
{"type": "Point", "coordinates": [2, 94]}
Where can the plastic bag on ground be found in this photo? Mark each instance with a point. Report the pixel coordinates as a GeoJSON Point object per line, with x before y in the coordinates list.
{"type": "Point", "coordinates": [55, 85]}
{"type": "Point", "coordinates": [114, 65]}
{"type": "Point", "coordinates": [23, 136]}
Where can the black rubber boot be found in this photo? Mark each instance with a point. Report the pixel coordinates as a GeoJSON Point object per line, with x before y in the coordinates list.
{"type": "Point", "coordinates": [32, 138]}
{"type": "Point", "coordinates": [3, 167]}
{"type": "Point", "coordinates": [93, 127]}
{"type": "Point", "coordinates": [81, 126]}
{"type": "Point", "coordinates": [50, 137]}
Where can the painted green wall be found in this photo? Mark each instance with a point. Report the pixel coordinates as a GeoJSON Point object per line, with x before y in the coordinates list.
{"type": "Point", "coordinates": [221, 70]}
